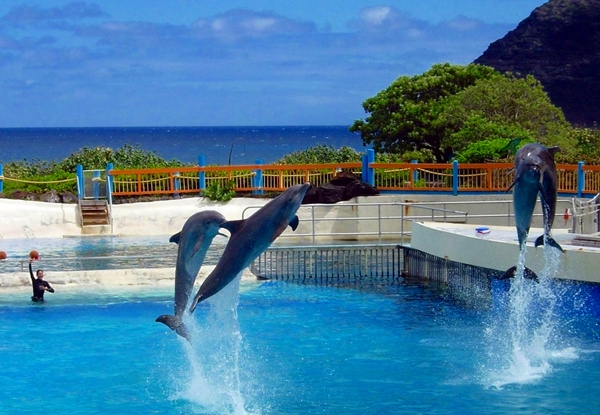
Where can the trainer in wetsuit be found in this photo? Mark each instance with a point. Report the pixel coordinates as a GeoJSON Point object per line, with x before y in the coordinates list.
{"type": "Point", "coordinates": [39, 285]}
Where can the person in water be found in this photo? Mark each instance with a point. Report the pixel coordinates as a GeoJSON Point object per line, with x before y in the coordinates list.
{"type": "Point", "coordinates": [39, 285]}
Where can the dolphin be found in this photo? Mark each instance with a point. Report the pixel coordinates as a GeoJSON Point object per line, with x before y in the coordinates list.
{"type": "Point", "coordinates": [250, 238]}
{"type": "Point", "coordinates": [535, 174]}
{"type": "Point", "coordinates": [193, 242]}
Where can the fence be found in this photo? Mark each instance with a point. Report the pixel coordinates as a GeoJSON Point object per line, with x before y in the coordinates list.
{"type": "Point", "coordinates": [578, 180]}
{"type": "Point", "coordinates": [451, 178]}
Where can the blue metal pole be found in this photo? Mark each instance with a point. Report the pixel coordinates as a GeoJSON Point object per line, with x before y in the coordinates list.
{"type": "Point", "coordinates": [455, 177]}
{"type": "Point", "coordinates": [370, 170]}
{"type": "Point", "coordinates": [257, 180]}
{"type": "Point", "coordinates": [415, 173]}
{"type": "Point", "coordinates": [80, 190]}
{"type": "Point", "coordinates": [176, 184]}
{"type": "Point", "coordinates": [580, 179]}
{"type": "Point", "coordinates": [365, 168]}
{"type": "Point", "coordinates": [202, 175]}
{"type": "Point", "coordinates": [110, 181]}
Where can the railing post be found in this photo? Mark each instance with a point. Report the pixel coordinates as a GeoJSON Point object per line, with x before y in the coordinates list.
{"type": "Point", "coordinates": [80, 190]}
{"type": "Point", "coordinates": [96, 184]}
{"type": "Point", "coordinates": [176, 184]}
{"type": "Point", "coordinates": [202, 174]}
{"type": "Point", "coordinates": [1, 178]}
{"type": "Point", "coordinates": [257, 179]}
{"type": "Point", "coordinates": [415, 175]}
{"type": "Point", "coordinates": [368, 172]}
{"type": "Point", "coordinates": [110, 181]}
{"type": "Point", "coordinates": [455, 177]}
{"type": "Point", "coordinates": [580, 179]}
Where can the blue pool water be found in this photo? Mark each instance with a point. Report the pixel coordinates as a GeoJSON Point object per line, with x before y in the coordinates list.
{"type": "Point", "coordinates": [98, 252]}
{"type": "Point", "coordinates": [283, 348]}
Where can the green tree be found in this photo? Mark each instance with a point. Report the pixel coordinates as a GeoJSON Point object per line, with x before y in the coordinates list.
{"type": "Point", "coordinates": [587, 145]}
{"type": "Point", "coordinates": [502, 107]}
{"type": "Point", "coordinates": [403, 116]}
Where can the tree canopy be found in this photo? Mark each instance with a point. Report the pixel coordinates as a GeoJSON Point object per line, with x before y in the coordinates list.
{"type": "Point", "coordinates": [450, 107]}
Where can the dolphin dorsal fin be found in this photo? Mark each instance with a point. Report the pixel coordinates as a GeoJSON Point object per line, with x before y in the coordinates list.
{"type": "Point", "coordinates": [175, 238]}
{"type": "Point", "coordinates": [233, 225]}
{"type": "Point", "coordinates": [553, 150]}
{"type": "Point", "coordinates": [294, 222]}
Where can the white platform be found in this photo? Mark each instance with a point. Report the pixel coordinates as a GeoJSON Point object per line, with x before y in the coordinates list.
{"type": "Point", "coordinates": [499, 249]}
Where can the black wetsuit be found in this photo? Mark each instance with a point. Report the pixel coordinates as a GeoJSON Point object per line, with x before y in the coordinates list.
{"type": "Point", "coordinates": [38, 292]}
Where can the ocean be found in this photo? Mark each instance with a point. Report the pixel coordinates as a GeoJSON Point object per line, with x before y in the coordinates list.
{"type": "Point", "coordinates": [220, 145]}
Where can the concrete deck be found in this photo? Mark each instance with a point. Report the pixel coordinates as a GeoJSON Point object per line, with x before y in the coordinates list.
{"type": "Point", "coordinates": [499, 249]}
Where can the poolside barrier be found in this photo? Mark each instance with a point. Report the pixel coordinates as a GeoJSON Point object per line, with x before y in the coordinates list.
{"type": "Point", "coordinates": [349, 265]}
{"type": "Point", "coordinates": [453, 178]}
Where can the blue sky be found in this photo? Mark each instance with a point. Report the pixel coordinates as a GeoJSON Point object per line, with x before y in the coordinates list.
{"type": "Point", "coordinates": [239, 62]}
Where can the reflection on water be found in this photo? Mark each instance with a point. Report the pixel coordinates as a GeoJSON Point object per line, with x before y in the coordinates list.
{"type": "Point", "coordinates": [98, 252]}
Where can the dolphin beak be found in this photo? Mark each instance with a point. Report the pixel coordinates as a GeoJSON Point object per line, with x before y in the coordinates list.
{"type": "Point", "coordinates": [222, 234]}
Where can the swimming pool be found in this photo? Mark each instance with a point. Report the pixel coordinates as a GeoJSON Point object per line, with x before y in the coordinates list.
{"type": "Point", "coordinates": [287, 349]}
{"type": "Point", "coordinates": [98, 252]}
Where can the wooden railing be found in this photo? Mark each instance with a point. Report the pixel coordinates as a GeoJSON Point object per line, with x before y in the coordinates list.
{"type": "Point", "coordinates": [244, 178]}
{"type": "Point", "coordinates": [420, 177]}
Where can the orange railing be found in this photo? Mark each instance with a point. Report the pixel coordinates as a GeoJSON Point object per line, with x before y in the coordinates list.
{"type": "Point", "coordinates": [427, 177]}
{"type": "Point", "coordinates": [244, 178]}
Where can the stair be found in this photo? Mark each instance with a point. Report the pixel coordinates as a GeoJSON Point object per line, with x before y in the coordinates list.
{"type": "Point", "coordinates": [586, 240]}
{"type": "Point", "coordinates": [94, 212]}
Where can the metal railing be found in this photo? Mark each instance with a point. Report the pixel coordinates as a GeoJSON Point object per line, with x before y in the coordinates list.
{"type": "Point", "coordinates": [410, 177]}
{"type": "Point", "coordinates": [585, 212]}
{"type": "Point", "coordinates": [580, 180]}
{"type": "Point", "coordinates": [380, 222]}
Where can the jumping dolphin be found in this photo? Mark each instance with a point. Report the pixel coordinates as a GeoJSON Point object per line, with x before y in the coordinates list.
{"type": "Point", "coordinates": [535, 173]}
{"type": "Point", "coordinates": [251, 237]}
{"type": "Point", "coordinates": [193, 243]}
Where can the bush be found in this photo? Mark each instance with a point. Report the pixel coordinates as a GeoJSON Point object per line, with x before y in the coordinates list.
{"type": "Point", "coordinates": [126, 157]}
{"type": "Point", "coordinates": [220, 192]}
{"type": "Point", "coordinates": [321, 154]}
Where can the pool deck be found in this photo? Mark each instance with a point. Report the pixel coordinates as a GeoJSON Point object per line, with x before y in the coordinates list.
{"type": "Point", "coordinates": [499, 249]}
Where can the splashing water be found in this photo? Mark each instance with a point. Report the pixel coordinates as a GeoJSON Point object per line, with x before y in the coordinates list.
{"type": "Point", "coordinates": [213, 356]}
{"type": "Point", "coordinates": [524, 336]}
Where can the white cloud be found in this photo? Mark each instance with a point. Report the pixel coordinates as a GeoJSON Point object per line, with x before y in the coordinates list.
{"type": "Point", "coordinates": [219, 59]}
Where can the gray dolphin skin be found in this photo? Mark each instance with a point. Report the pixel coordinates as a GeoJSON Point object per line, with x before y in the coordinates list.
{"type": "Point", "coordinates": [251, 237]}
{"type": "Point", "coordinates": [193, 242]}
{"type": "Point", "coordinates": [535, 174]}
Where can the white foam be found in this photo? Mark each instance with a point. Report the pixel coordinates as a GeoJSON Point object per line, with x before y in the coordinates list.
{"type": "Point", "coordinates": [213, 355]}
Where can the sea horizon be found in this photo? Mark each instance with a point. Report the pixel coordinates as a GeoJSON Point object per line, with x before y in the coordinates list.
{"type": "Point", "coordinates": [219, 144]}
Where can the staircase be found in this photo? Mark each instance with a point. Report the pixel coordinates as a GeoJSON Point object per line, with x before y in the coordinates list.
{"type": "Point", "coordinates": [95, 215]}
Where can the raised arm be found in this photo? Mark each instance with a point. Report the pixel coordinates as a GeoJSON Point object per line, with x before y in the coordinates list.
{"type": "Point", "coordinates": [31, 272]}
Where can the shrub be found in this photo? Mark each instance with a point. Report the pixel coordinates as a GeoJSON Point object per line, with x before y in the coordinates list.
{"type": "Point", "coordinates": [320, 154]}
{"type": "Point", "coordinates": [220, 192]}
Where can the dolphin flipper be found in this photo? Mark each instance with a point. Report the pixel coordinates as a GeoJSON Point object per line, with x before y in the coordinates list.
{"type": "Point", "coordinates": [551, 241]}
{"type": "Point", "coordinates": [174, 323]}
{"type": "Point", "coordinates": [294, 222]}
{"type": "Point", "coordinates": [527, 274]}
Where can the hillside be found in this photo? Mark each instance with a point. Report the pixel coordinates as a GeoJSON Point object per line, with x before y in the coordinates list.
{"type": "Point", "coordinates": [559, 44]}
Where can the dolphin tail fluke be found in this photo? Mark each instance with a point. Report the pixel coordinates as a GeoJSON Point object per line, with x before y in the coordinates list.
{"type": "Point", "coordinates": [540, 241]}
{"type": "Point", "coordinates": [174, 323]}
{"type": "Point", "coordinates": [527, 274]}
